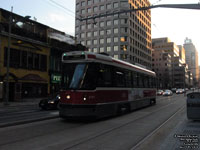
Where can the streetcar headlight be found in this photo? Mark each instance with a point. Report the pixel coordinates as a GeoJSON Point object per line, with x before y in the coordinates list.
{"type": "Point", "coordinates": [84, 98]}
{"type": "Point", "coordinates": [68, 97]}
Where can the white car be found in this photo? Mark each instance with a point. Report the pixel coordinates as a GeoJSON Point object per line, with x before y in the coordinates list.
{"type": "Point", "coordinates": [167, 93]}
{"type": "Point", "coordinates": [179, 91]}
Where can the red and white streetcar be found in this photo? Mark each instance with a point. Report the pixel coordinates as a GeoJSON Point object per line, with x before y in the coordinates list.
{"type": "Point", "coordinates": [96, 85]}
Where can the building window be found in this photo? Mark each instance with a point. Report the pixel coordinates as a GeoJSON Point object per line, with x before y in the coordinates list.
{"type": "Point", "coordinates": [101, 49]}
{"type": "Point", "coordinates": [89, 42]}
{"type": "Point", "coordinates": [83, 11]}
{"type": "Point", "coordinates": [116, 22]}
{"type": "Point", "coordinates": [116, 48]}
{"type": "Point", "coordinates": [124, 4]}
{"type": "Point", "coordinates": [43, 63]}
{"type": "Point", "coordinates": [108, 32]}
{"type": "Point", "coordinates": [89, 10]}
{"type": "Point", "coordinates": [108, 49]}
{"type": "Point", "coordinates": [89, 2]}
{"type": "Point", "coordinates": [89, 26]}
{"type": "Point", "coordinates": [102, 24]}
{"type": "Point", "coordinates": [115, 30]}
{"type": "Point", "coordinates": [101, 32]}
{"type": "Point", "coordinates": [108, 6]}
{"type": "Point", "coordinates": [95, 33]}
{"type": "Point", "coordinates": [96, 1]}
{"type": "Point", "coordinates": [101, 41]}
{"type": "Point", "coordinates": [95, 42]}
{"type": "Point", "coordinates": [82, 3]}
{"type": "Point", "coordinates": [82, 27]}
{"type": "Point", "coordinates": [116, 56]}
{"type": "Point", "coordinates": [95, 9]}
{"type": "Point", "coordinates": [36, 61]}
{"type": "Point", "coordinates": [77, 28]}
{"type": "Point", "coordinates": [108, 23]}
{"type": "Point", "coordinates": [95, 50]}
{"type": "Point", "coordinates": [123, 21]}
{"type": "Point", "coordinates": [124, 30]}
{"type": "Point", "coordinates": [102, 7]}
{"type": "Point", "coordinates": [115, 5]}
{"type": "Point", "coordinates": [89, 34]}
{"type": "Point", "coordinates": [82, 35]}
{"type": "Point", "coordinates": [116, 39]}
{"type": "Point", "coordinates": [108, 40]}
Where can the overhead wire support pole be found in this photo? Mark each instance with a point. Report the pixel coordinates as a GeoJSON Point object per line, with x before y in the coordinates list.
{"type": "Point", "coordinates": [179, 6]}
{"type": "Point", "coordinates": [6, 102]}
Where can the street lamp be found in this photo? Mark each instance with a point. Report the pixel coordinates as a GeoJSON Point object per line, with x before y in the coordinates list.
{"type": "Point", "coordinates": [6, 101]}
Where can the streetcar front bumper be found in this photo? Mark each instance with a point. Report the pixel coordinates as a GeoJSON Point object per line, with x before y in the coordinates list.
{"type": "Point", "coordinates": [92, 110]}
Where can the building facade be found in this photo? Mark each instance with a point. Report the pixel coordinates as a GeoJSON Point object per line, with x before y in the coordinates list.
{"type": "Point", "coordinates": [179, 69]}
{"type": "Point", "coordinates": [161, 65]}
{"type": "Point", "coordinates": [191, 54]}
{"type": "Point", "coordinates": [28, 55]}
{"type": "Point", "coordinates": [125, 36]}
{"type": "Point", "coordinates": [35, 67]}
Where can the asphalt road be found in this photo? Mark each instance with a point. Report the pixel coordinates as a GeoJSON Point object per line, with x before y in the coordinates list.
{"type": "Point", "coordinates": [152, 127]}
{"type": "Point", "coordinates": [16, 115]}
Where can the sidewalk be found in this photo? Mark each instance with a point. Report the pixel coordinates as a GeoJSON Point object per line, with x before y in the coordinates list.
{"type": "Point", "coordinates": [13, 105]}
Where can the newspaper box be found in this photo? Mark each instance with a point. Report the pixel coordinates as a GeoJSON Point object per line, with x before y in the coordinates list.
{"type": "Point", "coordinates": [193, 106]}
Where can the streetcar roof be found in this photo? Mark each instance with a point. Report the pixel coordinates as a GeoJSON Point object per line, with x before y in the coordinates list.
{"type": "Point", "coordinates": [85, 56]}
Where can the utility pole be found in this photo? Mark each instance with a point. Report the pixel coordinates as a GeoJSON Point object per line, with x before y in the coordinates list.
{"type": "Point", "coordinates": [6, 102]}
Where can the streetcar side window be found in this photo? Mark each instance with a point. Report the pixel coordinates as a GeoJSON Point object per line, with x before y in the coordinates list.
{"type": "Point", "coordinates": [134, 79]}
{"type": "Point", "coordinates": [146, 81]}
{"type": "Point", "coordinates": [128, 78]}
{"type": "Point", "coordinates": [154, 82]}
{"type": "Point", "coordinates": [89, 81]}
{"type": "Point", "coordinates": [104, 76]}
{"type": "Point", "coordinates": [119, 77]}
{"type": "Point", "coordinates": [140, 79]}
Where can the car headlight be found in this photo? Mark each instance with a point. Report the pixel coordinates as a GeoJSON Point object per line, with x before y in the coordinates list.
{"type": "Point", "coordinates": [51, 102]}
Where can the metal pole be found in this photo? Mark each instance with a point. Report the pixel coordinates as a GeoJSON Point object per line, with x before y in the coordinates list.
{"type": "Point", "coordinates": [8, 60]}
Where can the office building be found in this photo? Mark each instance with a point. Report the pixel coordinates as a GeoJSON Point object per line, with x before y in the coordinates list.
{"type": "Point", "coordinates": [191, 55]}
{"type": "Point", "coordinates": [125, 36]}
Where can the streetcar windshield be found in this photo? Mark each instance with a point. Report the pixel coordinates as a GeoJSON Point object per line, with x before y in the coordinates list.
{"type": "Point", "coordinates": [78, 76]}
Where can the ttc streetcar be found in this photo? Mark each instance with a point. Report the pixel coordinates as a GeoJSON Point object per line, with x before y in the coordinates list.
{"type": "Point", "coordinates": [95, 85]}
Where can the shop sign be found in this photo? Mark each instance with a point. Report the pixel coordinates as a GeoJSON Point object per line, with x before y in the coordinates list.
{"type": "Point", "coordinates": [55, 78]}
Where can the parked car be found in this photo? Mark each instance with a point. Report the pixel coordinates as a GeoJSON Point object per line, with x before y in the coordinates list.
{"type": "Point", "coordinates": [159, 92]}
{"type": "Point", "coordinates": [167, 93]}
{"type": "Point", "coordinates": [50, 103]}
{"type": "Point", "coordinates": [179, 91]}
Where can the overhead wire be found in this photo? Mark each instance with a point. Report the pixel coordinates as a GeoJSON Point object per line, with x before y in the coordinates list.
{"type": "Point", "coordinates": [55, 4]}
{"type": "Point", "coordinates": [62, 7]}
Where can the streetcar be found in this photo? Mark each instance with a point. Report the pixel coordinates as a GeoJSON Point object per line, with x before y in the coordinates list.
{"type": "Point", "coordinates": [97, 85]}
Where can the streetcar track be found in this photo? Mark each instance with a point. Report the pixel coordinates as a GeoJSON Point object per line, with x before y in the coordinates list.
{"type": "Point", "coordinates": [157, 128]}
{"type": "Point", "coordinates": [118, 127]}
{"type": "Point", "coordinates": [40, 135]}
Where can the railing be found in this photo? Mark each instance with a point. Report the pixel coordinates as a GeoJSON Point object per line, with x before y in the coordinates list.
{"type": "Point", "coordinates": [24, 32]}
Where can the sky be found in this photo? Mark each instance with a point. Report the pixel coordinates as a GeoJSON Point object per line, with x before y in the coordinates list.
{"type": "Point", "coordinates": [176, 24]}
